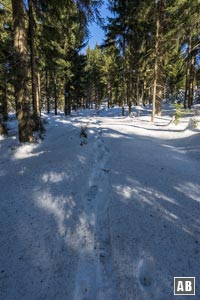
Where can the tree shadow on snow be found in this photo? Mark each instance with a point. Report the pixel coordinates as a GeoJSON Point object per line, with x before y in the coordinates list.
{"type": "Point", "coordinates": [41, 213]}
{"type": "Point", "coordinates": [153, 215]}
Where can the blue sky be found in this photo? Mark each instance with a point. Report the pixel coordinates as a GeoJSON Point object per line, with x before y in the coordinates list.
{"type": "Point", "coordinates": [96, 33]}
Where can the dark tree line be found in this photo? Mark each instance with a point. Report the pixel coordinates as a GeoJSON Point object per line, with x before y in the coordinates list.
{"type": "Point", "coordinates": [40, 61]}
{"type": "Point", "coordinates": [151, 52]}
{"type": "Point", "coordinates": [159, 45]}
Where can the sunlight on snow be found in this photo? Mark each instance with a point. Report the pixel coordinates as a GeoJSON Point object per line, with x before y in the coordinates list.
{"type": "Point", "coordinates": [81, 236]}
{"type": "Point", "coordinates": [140, 192]}
{"type": "Point", "coordinates": [54, 177]}
{"type": "Point", "coordinates": [91, 131]}
{"type": "Point", "coordinates": [125, 191]}
{"type": "Point", "coordinates": [26, 151]}
{"type": "Point", "coordinates": [114, 135]}
{"type": "Point", "coordinates": [81, 158]}
{"type": "Point", "coordinates": [152, 198]}
{"type": "Point", "coordinates": [61, 207]}
{"type": "Point", "coordinates": [190, 189]}
{"type": "Point", "coordinates": [62, 121]}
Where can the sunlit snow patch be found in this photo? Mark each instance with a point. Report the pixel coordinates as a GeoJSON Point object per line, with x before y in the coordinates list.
{"type": "Point", "coordinates": [26, 151]}
{"type": "Point", "coordinates": [60, 207]}
{"type": "Point", "coordinates": [54, 177]}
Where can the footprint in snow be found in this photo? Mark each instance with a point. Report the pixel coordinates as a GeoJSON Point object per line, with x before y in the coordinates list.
{"type": "Point", "coordinates": [92, 192]}
{"type": "Point", "coordinates": [145, 272]}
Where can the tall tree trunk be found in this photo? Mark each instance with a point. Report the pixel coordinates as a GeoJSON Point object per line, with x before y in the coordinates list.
{"type": "Point", "coordinates": [67, 108]}
{"type": "Point", "coordinates": [5, 102]}
{"type": "Point", "coordinates": [159, 97]}
{"type": "Point", "coordinates": [160, 75]}
{"type": "Point", "coordinates": [47, 91]}
{"type": "Point", "coordinates": [142, 93]}
{"type": "Point", "coordinates": [109, 94]}
{"type": "Point", "coordinates": [145, 91]}
{"type": "Point", "coordinates": [39, 103]}
{"type": "Point", "coordinates": [55, 98]}
{"type": "Point", "coordinates": [131, 90]}
{"type": "Point", "coordinates": [129, 95]}
{"type": "Point", "coordinates": [123, 75]}
{"type": "Point", "coordinates": [191, 81]}
{"type": "Point", "coordinates": [137, 90]}
{"type": "Point", "coordinates": [21, 72]}
{"type": "Point", "coordinates": [187, 73]}
{"type": "Point", "coordinates": [35, 92]}
{"type": "Point", "coordinates": [155, 70]}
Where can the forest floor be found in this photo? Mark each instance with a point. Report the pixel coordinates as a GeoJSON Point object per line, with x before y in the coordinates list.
{"type": "Point", "coordinates": [112, 214]}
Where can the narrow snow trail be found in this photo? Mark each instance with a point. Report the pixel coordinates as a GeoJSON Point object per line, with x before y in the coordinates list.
{"type": "Point", "coordinates": [113, 218]}
{"type": "Point", "coordinates": [94, 278]}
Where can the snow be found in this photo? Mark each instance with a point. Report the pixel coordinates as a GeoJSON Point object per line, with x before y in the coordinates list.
{"type": "Point", "coordinates": [115, 217]}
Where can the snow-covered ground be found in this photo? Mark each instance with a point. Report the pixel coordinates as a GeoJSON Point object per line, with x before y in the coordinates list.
{"type": "Point", "coordinates": [114, 216]}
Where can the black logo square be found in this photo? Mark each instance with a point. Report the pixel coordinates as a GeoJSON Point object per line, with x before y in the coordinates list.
{"type": "Point", "coordinates": [184, 285]}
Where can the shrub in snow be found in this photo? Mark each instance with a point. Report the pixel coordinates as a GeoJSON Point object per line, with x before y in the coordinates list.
{"type": "Point", "coordinates": [195, 120]}
{"type": "Point", "coordinates": [179, 112]}
{"type": "Point", "coordinates": [83, 132]}
{"type": "Point", "coordinates": [83, 135]}
{"type": "Point", "coordinates": [131, 115]}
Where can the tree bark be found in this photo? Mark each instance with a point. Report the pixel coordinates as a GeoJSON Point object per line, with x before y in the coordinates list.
{"type": "Point", "coordinates": [187, 76]}
{"type": "Point", "coordinates": [144, 92]}
{"type": "Point", "coordinates": [39, 103]}
{"type": "Point", "coordinates": [21, 72]}
{"type": "Point", "coordinates": [191, 81]}
{"type": "Point", "coordinates": [159, 97]}
{"type": "Point", "coordinates": [5, 102]}
{"type": "Point", "coordinates": [123, 75]}
{"type": "Point", "coordinates": [55, 98]}
{"type": "Point", "coordinates": [109, 94]}
{"type": "Point", "coordinates": [138, 90]}
{"type": "Point", "coordinates": [67, 99]}
{"type": "Point", "coordinates": [35, 88]}
{"type": "Point", "coordinates": [155, 69]}
{"type": "Point", "coordinates": [129, 95]}
{"type": "Point", "coordinates": [47, 91]}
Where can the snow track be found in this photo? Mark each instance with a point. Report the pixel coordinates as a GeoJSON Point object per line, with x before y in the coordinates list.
{"type": "Point", "coordinates": [95, 278]}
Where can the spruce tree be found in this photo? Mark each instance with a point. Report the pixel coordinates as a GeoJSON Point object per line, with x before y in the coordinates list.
{"type": "Point", "coordinates": [21, 72]}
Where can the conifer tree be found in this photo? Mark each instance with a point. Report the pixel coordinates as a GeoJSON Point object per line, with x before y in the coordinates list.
{"type": "Point", "coordinates": [5, 58]}
{"type": "Point", "coordinates": [21, 72]}
{"type": "Point", "coordinates": [34, 74]}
